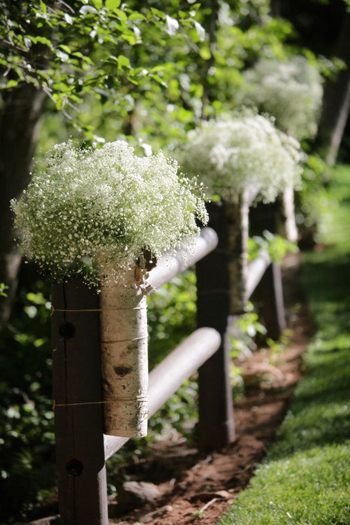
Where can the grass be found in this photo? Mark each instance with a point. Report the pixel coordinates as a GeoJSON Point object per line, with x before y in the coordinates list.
{"type": "Point", "coordinates": [305, 478]}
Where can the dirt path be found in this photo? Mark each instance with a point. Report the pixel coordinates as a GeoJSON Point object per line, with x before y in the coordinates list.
{"type": "Point", "coordinates": [189, 481]}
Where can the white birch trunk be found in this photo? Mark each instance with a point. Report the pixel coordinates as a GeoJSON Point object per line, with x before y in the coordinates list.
{"type": "Point", "coordinates": [238, 225]}
{"type": "Point", "coordinates": [285, 218]}
{"type": "Point", "coordinates": [124, 358]}
{"type": "Point", "coordinates": [290, 224]}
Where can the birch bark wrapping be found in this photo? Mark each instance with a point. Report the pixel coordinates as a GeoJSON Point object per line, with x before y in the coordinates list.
{"type": "Point", "coordinates": [291, 231]}
{"type": "Point", "coordinates": [124, 358]}
{"type": "Point", "coordinates": [238, 225]}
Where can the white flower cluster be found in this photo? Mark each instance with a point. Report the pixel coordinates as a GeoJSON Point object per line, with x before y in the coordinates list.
{"type": "Point", "coordinates": [236, 154]}
{"type": "Point", "coordinates": [101, 208]}
{"type": "Point", "coordinates": [290, 91]}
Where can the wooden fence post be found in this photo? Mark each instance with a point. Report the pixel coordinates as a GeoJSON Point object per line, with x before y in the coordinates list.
{"type": "Point", "coordinates": [238, 230]}
{"type": "Point", "coordinates": [276, 217]}
{"type": "Point", "coordinates": [268, 297]}
{"type": "Point", "coordinates": [77, 398]}
{"type": "Point", "coordinates": [216, 423]}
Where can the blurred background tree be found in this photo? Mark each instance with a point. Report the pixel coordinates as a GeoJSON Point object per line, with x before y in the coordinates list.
{"type": "Point", "coordinates": [324, 27]}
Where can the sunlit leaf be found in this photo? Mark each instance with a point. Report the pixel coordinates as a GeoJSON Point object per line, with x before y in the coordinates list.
{"type": "Point", "coordinates": [200, 31]}
{"type": "Point", "coordinates": [123, 62]}
{"type": "Point", "coordinates": [172, 25]}
{"type": "Point", "coordinates": [113, 4]}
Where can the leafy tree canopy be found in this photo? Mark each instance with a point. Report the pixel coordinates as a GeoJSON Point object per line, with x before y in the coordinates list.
{"type": "Point", "coordinates": [155, 70]}
{"type": "Point", "coordinates": [76, 48]}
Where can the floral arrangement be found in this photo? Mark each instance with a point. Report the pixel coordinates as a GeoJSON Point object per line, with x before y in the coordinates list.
{"type": "Point", "coordinates": [290, 91]}
{"type": "Point", "coordinates": [234, 154]}
{"type": "Point", "coordinates": [84, 206]}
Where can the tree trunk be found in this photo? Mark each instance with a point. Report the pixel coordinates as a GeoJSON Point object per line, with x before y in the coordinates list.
{"type": "Point", "coordinates": [19, 127]}
{"type": "Point", "coordinates": [238, 226]}
{"type": "Point", "coordinates": [336, 100]}
{"type": "Point", "coordinates": [124, 357]}
{"type": "Point", "coordinates": [211, 29]}
{"type": "Point", "coordinates": [276, 8]}
{"type": "Point", "coordinates": [285, 219]}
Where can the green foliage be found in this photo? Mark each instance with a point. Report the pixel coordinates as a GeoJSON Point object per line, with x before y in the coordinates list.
{"type": "Point", "coordinates": [171, 315]}
{"type": "Point", "coordinates": [75, 49]}
{"type": "Point", "coordinates": [305, 477]}
{"type": "Point", "coordinates": [172, 318]}
{"type": "Point", "coordinates": [277, 347]}
{"type": "Point", "coordinates": [242, 333]}
{"type": "Point", "coordinates": [3, 287]}
{"type": "Point", "coordinates": [313, 201]}
{"type": "Point", "coordinates": [27, 460]}
{"type": "Point", "coordinates": [180, 78]}
{"type": "Point", "coordinates": [275, 245]}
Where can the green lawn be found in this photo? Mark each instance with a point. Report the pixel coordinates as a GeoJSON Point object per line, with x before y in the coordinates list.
{"type": "Point", "coordinates": [305, 477]}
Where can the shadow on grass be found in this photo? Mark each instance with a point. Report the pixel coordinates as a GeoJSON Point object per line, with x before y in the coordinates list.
{"type": "Point", "coordinates": [320, 413]}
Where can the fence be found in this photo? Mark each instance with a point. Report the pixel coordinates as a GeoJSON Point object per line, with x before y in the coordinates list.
{"type": "Point", "coordinates": [81, 447]}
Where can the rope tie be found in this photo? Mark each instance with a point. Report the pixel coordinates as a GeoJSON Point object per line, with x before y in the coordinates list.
{"type": "Point", "coordinates": [53, 309]}
{"type": "Point", "coordinates": [138, 399]}
{"type": "Point", "coordinates": [125, 340]}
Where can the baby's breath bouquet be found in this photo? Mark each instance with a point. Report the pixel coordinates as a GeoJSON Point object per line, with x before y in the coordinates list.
{"type": "Point", "coordinates": [86, 206]}
{"type": "Point", "coordinates": [289, 91]}
{"type": "Point", "coordinates": [234, 154]}
{"type": "Point", "coordinates": [95, 213]}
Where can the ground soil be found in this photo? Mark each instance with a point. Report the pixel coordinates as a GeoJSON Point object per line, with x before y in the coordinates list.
{"type": "Point", "coordinates": [188, 480]}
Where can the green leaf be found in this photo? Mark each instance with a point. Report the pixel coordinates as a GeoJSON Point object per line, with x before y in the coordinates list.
{"type": "Point", "coordinates": [121, 14]}
{"type": "Point", "coordinates": [159, 80]}
{"type": "Point", "coordinates": [130, 39]}
{"type": "Point", "coordinates": [67, 49]}
{"type": "Point", "coordinates": [157, 68]}
{"type": "Point", "coordinates": [158, 13]}
{"type": "Point", "coordinates": [97, 4]}
{"type": "Point", "coordinates": [43, 40]}
{"type": "Point", "coordinates": [123, 62]}
{"type": "Point", "coordinates": [205, 53]}
{"type": "Point", "coordinates": [113, 4]}
{"type": "Point", "coordinates": [136, 16]}
{"type": "Point", "coordinates": [87, 60]}
{"type": "Point", "coordinates": [12, 83]}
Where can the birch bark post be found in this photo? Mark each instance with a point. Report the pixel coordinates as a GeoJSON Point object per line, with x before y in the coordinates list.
{"type": "Point", "coordinates": [285, 224]}
{"type": "Point", "coordinates": [124, 357]}
{"type": "Point", "coordinates": [238, 226]}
